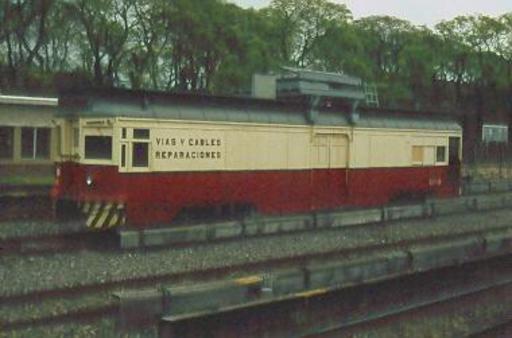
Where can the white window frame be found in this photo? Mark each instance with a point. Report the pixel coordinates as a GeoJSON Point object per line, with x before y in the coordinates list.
{"type": "Point", "coordinates": [34, 157]}
{"type": "Point", "coordinates": [128, 142]}
{"type": "Point", "coordinates": [131, 140]}
{"type": "Point", "coordinates": [103, 131]}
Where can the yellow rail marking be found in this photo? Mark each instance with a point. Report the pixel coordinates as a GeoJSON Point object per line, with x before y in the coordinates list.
{"type": "Point", "coordinates": [249, 280]}
{"type": "Point", "coordinates": [312, 293]}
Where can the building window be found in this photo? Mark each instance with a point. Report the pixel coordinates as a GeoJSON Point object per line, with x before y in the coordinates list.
{"type": "Point", "coordinates": [98, 147]}
{"type": "Point", "coordinates": [140, 156]}
{"type": "Point", "coordinates": [6, 142]}
{"type": "Point", "coordinates": [494, 133]}
{"type": "Point", "coordinates": [35, 143]}
{"type": "Point", "coordinates": [441, 154]}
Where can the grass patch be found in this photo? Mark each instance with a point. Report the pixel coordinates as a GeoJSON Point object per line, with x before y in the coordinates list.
{"type": "Point", "coordinates": [27, 180]}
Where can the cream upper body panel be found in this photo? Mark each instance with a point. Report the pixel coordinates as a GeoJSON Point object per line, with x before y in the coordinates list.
{"type": "Point", "coordinates": [175, 145]}
{"type": "Point", "coordinates": [179, 146]}
{"type": "Point", "coordinates": [384, 148]}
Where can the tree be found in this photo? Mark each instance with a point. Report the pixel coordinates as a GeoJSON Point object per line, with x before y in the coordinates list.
{"type": "Point", "coordinates": [384, 40]}
{"type": "Point", "coordinates": [148, 39]}
{"type": "Point", "coordinates": [23, 33]}
{"type": "Point", "coordinates": [301, 23]}
{"type": "Point", "coordinates": [341, 50]}
{"type": "Point", "coordinates": [106, 30]}
{"type": "Point", "coordinates": [476, 42]}
{"type": "Point", "coordinates": [250, 48]}
{"type": "Point", "coordinates": [456, 66]}
{"type": "Point", "coordinates": [419, 63]}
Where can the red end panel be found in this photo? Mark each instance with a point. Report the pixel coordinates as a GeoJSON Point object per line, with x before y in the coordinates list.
{"type": "Point", "coordinates": [377, 186]}
{"type": "Point", "coordinates": [64, 180]}
{"type": "Point", "coordinates": [107, 184]}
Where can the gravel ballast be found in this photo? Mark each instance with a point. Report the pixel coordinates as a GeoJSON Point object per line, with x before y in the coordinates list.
{"type": "Point", "coordinates": [19, 229]}
{"type": "Point", "coordinates": [100, 328]}
{"type": "Point", "coordinates": [22, 275]}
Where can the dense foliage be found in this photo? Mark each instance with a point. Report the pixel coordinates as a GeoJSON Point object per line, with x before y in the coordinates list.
{"type": "Point", "coordinates": [215, 46]}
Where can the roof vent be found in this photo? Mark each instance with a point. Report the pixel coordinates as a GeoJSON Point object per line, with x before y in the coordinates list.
{"type": "Point", "coordinates": [316, 86]}
{"type": "Point", "coordinates": [302, 82]}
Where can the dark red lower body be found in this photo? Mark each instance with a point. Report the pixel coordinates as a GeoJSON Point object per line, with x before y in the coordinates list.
{"type": "Point", "coordinates": [158, 197]}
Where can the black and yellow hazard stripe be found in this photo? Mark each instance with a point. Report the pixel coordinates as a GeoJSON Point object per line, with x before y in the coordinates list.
{"type": "Point", "coordinates": [101, 216]}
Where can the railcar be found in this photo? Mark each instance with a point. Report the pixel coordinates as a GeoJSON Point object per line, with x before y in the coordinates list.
{"type": "Point", "coordinates": [141, 158]}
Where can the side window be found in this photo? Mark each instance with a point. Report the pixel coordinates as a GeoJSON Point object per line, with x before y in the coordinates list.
{"type": "Point", "coordinates": [417, 155]}
{"type": "Point", "coordinates": [98, 147]}
{"type": "Point", "coordinates": [123, 155]}
{"type": "Point", "coordinates": [140, 148]}
{"type": "Point", "coordinates": [6, 142]}
{"type": "Point", "coordinates": [35, 143]}
{"type": "Point", "coordinates": [140, 155]}
{"type": "Point", "coordinates": [76, 137]}
{"type": "Point", "coordinates": [441, 154]}
{"type": "Point", "coordinates": [141, 134]}
{"type": "Point", "coordinates": [27, 142]}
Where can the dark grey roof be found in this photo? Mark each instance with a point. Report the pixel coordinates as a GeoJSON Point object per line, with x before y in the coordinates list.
{"type": "Point", "coordinates": [209, 108]}
{"type": "Point", "coordinates": [378, 119]}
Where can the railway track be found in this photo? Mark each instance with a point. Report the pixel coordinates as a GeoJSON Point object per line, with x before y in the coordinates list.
{"type": "Point", "coordinates": [92, 301]}
{"type": "Point", "coordinates": [454, 301]}
{"type": "Point", "coordinates": [58, 243]}
{"type": "Point", "coordinates": [98, 303]}
{"type": "Point", "coordinates": [78, 240]}
{"type": "Point", "coordinates": [502, 330]}
{"type": "Point", "coordinates": [457, 303]}
{"type": "Point", "coordinates": [379, 230]}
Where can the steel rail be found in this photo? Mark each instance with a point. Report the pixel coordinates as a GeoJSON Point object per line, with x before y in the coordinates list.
{"type": "Point", "coordinates": [209, 274]}
{"type": "Point", "coordinates": [443, 300]}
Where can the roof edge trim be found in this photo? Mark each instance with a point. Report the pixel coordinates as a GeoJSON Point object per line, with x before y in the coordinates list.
{"type": "Point", "coordinates": [29, 100]}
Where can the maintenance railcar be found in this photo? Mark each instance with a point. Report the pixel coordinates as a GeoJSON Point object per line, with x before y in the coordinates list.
{"type": "Point", "coordinates": [141, 158]}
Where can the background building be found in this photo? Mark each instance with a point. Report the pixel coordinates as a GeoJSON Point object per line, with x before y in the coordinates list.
{"type": "Point", "coordinates": [27, 139]}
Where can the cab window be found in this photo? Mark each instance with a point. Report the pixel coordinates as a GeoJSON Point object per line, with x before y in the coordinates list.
{"type": "Point", "coordinates": [98, 147]}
